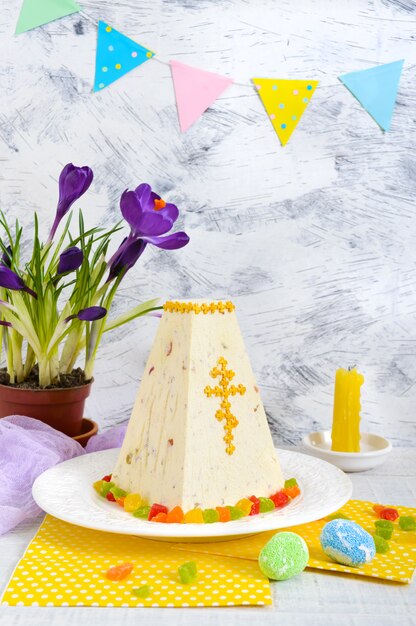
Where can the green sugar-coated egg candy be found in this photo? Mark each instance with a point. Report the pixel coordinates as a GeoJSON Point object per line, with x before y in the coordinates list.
{"type": "Point", "coordinates": [284, 556]}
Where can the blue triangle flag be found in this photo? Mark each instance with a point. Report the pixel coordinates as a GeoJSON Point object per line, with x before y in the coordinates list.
{"type": "Point", "coordinates": [376, 89]}
{"type": "Point", "coordinates": [116, 55]}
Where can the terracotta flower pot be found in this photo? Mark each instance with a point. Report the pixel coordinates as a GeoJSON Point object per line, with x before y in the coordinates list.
{"type": "Point", "coordinates": [62, 409]}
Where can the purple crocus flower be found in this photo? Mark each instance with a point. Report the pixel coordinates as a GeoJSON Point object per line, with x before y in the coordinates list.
{"type": "Point", "coordinates": [4, 323]}
{"type": "Point", "coordinates": [149, 218]}
{"type": "Point", "coordinates": [90, 314]}
{"type": "Point", "coordinates": [70, 260]}
{"type": "Point", "coordinates": [10, 280]}
{"type": "Point", "coordinates": [73, 183]}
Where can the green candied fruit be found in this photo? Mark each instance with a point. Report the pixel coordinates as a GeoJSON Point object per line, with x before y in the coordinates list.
{"type": "Point", "coordinates": [236, 513]}
{"type": "Point", "coordinates": [266, 505]}
{"type": "Point", "coordinates": [407, 522]}
{"type": "Point", "coordinates": [382, 546]}
{"type": "Point", "coordinates": [117, 492]}
{"type": "Point", "coordinates": [141, 592]}
{"type": "Point", "coordinates": [106, 487]}
{"type": "Point", "coordinates": [187, 572]}
{"type": "Point", "coordinates": [142, 511]}
{"type": "Point", "coordinates": [385, 533]}
{"type": "Point", "coordinates": [384, 528]}
{"type": "Point", "coordinates": [210, 516]}
{"type": "Point", "coordinates": [337, 516]}
{"type": "Point", "coordinates": [291, 482]}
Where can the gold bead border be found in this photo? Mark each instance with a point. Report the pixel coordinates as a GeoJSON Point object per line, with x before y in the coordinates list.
{"type": "Point", "coordinates": [191, 307]}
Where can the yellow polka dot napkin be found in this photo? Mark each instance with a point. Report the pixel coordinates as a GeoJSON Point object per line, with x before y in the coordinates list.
{"type": "Point", "coordinates": [65, 565]}
{"type": "Point", "coordinates": [398, 564]}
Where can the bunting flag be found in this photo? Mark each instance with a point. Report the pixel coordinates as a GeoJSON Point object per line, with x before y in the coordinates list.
{"type": "Point", "coordinates": [116, 55]}
{"type": "Point", "coordinates": [376, 90]}
{"type": "Point", "coordinates": [285, 102]}
{"type": "Point", "coordinates": [195, 91]}
{"type": "Point", "coordinates": [37, 12]}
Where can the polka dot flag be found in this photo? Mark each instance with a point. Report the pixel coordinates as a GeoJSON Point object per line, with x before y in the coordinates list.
{"type": "Point", "coordinates": [285, 102]}
{"type": "Point", "coordinates": [116, 55]}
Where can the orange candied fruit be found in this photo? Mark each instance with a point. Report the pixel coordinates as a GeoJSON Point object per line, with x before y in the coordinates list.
{"type": "Point", "coordinates": [224, 513]}
{"type": "Point", "coordinates": [160, 517]}
{"type": "Point", "coordinates": [120, 502]}
{"type": "Point", "coordinates": [175, 516]}
{"type": "Point", "coordinates": [377, 508]}
{"type": "Point", "coordinates": [292, 492]}
{"type": "Point", "coordinates": [119, 572]}
{"type": "Point", "coordinates": [194, 516]}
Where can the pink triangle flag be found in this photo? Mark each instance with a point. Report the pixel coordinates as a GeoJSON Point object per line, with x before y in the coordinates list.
{"type": "Point", "coordinates": [195, 91]}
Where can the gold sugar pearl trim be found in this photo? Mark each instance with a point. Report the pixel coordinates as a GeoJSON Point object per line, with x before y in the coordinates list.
{"type": "Point", "coordinates": [193, 307]}
{"type": "Point", "coordinates": [224, 390]}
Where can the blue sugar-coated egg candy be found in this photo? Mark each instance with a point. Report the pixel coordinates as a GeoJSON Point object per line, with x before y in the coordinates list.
{"type": "Point", "coordinates": [284, 555]}
{"type": "Point", "coordinates": [347, 543]}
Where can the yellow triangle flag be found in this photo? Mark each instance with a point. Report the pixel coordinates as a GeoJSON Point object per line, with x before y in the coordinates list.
{"type": "Point", "coordinates": [285, 102]}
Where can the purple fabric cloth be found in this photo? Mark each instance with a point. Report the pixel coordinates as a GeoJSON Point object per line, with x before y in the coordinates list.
{"type": "Point", "coordinates": [27, 448]}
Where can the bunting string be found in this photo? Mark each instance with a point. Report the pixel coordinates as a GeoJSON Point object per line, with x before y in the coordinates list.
{"type": "Point", "coordinates": [285, 100]}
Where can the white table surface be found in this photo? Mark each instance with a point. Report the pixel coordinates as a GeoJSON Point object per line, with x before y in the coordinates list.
{"type": "Point", "coordinates": [311, 599]}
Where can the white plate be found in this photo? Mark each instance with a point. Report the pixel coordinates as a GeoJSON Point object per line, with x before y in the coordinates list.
{"type": "Point", "coordinates": [65, 491]}
{"type": "Point", "coordinates": [374, 450]}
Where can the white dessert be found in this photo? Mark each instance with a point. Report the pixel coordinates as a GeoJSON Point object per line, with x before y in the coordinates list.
{"type": "Point", "coordinates": [174, 451]}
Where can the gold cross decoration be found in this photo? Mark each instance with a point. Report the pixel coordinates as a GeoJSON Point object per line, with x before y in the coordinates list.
{"type": "Point", "coordinates": [224, 390]}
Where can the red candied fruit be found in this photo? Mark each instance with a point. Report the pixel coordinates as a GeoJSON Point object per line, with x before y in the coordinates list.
{"type": "Point", "coordinates": [107, 478]}
{"type": "Point", "coordinates": [280, 499]}
{"type": "Point", "coordinates": [110, 497]}
{"type": "Point", "coordinates": [155, 509]}
{"type": "Point", "coordinates": [255, 509]}
{"type": "Point", "coordinates": [390, 514]}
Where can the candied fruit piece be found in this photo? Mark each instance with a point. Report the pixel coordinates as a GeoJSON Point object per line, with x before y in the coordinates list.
{"type": "Point", "coordinates": [377, 508]}
{"type": "Point", "coordinates": [117, 492]}
{"type": "Point", "coordinates": [266, 504]}
{"type": "Point", "coordinates": [142, 512]}
{"type": "Point", "coordinates": [194, 516]}
{"type": "Point", "coordinates": [245, 505]}
{"type": "Point", "coordinates": [98, 485]}
{"type": "Point", "coordinates": [224, 513]}
{"type": "Point", "coordinates": [236, 513]}
{"type": "Point", "coordinates": [291, 482]}
{"type": "Point", "coordinates": [382, 546]}
{"type": "Point", "coordinates": [110, 497]}
{"type": "Point", "coordinates": [105, 488]}
{"type": "Point", "coordinates": [159, 517]}
{"type": "Point", "coordinates": [255, 509]}
{"type": "Point", "coordinates": [210, 516]}
{"type": "Point", "coordinates": [175, 516]}
{"type": "Point", "coordinates": [119, 572]}
{"type": "Point", "coordinates": [384, 523]}
{"type": "Point", "coordinates": [385, 533]}
{"type": "Point", "coordinates": [389, 514]}
{"type": "Point", "coordinates": [132, 502]}
{"type": "Point", "coordinates": [107, 478]}
{"type": "Point", "coordinates": [157, 508]}
{"type": "Point", "coordinates": [187, 572]}
{"type": "Point", "coordinates": [292, 492]}
{"type": "Point", "coordinates": [141, 592]}
{"type": "Point", "coordinates": [279, 499]}
{"type": "Point", "coordinates": [337, 516]}
{"type": "Point", "coordinates": [384, 528]}
{"type": "Point", "coordinates": [120, 502]}
{"type": "Point", "coordinates": [407, 522]}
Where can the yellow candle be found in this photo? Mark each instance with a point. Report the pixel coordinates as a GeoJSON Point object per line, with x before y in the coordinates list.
{"type": "Point", "coordinates": [346, 419]}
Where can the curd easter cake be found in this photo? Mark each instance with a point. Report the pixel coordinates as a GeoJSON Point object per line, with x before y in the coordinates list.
{"type": "Point", "coordinates": [198, 444]}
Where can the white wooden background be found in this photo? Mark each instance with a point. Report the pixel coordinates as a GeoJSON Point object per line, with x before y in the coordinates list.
{"type": "Point", "coordinates": [314, 242]}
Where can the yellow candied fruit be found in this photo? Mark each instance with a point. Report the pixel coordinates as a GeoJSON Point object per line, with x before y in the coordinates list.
{"type": "Point", "coordinates": [194, 516]}
{"type": "Point", "coordinates": [245, 505]}
{"type": "Point", "coordinates": [97, 485]}
{"type": "Point", "coordinates": [132, 502]}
